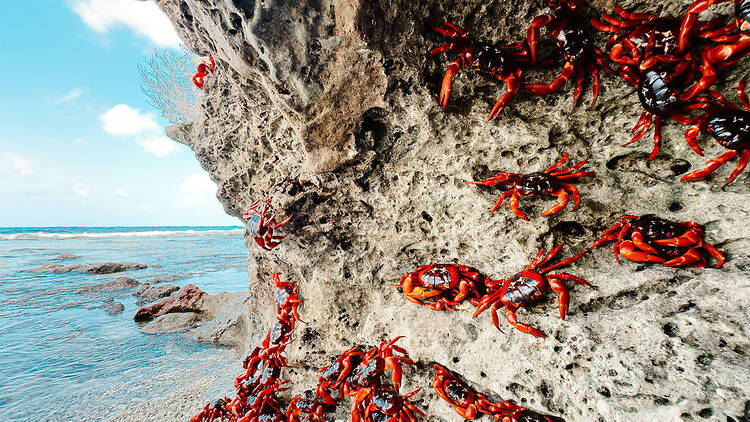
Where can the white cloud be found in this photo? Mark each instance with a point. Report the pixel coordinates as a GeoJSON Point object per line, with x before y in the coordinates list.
{"type": "Point", "coordinates": [70, 96]}
{"type": "Point", "coordinates": [121, 192]}
{"type": "Point", "coordinates": [160, 146]}
{"type": "Point", "coordinates": [143, 17]}
{"type": "Point", "coordinates": [197, 189]}
{"type": "Point", "coordinates": [144, 207]}
{"type": "Point", "coordinates": [81, 189]}
{"type": "Point", "coordinates": [123, 120]}
{"type": "Point", "coordinates": [18, 164]}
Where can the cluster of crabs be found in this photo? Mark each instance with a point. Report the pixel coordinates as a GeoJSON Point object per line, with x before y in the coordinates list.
{"type": "Point", "coordinates": [359, 373]}
{"type": "Point", "coordinates": [671, 61]}
{"type": "Point", "coordinates": [205, 68]}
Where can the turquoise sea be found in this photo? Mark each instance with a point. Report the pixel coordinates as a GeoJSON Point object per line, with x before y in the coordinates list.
{"type": "Point", "coordinates": [62, 355]}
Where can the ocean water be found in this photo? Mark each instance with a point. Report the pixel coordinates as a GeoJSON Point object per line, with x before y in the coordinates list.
{"type": "Point", "coordinates": [62, 357]}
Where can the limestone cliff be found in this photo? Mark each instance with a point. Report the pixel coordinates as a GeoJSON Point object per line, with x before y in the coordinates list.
{"type": "Point", "coordinates": [344, 93]}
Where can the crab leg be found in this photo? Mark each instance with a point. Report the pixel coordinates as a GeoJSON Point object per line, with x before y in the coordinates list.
{"type": "Point", "coordinates": [557, 83]}
{"type": "Point", "coordinates": [500, 202]}
{"type": "Point", "coordinates": [447, 86]}
{"type": "Point", "coordinates": [628, 250]}
{"type": "Point", "coordinates": [558, 164]}
{"type": "Point", "coordinates": [691, 136]}
{"type": "Point", "coordinates": [690, 257]}
{"type": "Point", "coordinates": [562, 196]}
{"type": "Point", "coordinates": [741, 164]}
{"type": "Point", "coordinates": [513, 82]}
{"type": "Point", "coordinates": [657, 137]}
{"type": "Point", "coordinates": [711, 166]}
{"type": "Point", "coordinates": [524, 328]}
{"type": "Point", "coordinates": [714, 253]}
{"type": "Point", "coordinates": [576, 195]}
{"type": "Point", "coordinates": [533, 34]}
{"type": "Point", "coordinates": [637, 239]}
{"type": "Point", "coordinates": [513, 203]}
{"type": "Point", "coordinates": [563, 295]}
{"type": "Point", "coordinates": [693, 236]}
{"type": "Point", "coordinates": [570, 277]}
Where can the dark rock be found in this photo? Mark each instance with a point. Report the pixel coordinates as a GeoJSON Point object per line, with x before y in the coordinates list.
{"type": "Point", "coordinates": [184, 300]}
{"type": "Point", "coordinates": [114, 308]}
{"type": "Point", "coordinates": [148, 293]}
{"type": "Point", "coordinates": [95, 268]}
{"type": "Point", "coordinates": [170, 323]}
{"type": "Point", "coordinates": [113, 267]}
{"type": "Point", "coordinates": [119, 283]}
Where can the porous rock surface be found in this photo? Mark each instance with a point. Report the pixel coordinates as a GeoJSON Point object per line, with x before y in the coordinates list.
{"type": "Point", "coordinates": [344, 93]}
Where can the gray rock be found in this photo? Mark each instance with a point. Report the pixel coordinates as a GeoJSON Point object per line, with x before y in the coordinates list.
{"type": "Point", "coordinates": [119, 283]}
{"type": "Point", "coordinates": [95, 268]}
{"type": "Point", "coordinates": [67, 256]}
{"type": "Point", "coordinates": [148, 293]}
{"type": "Point", "coordinates": [166, 278]}
{"type": "Point", "coordinates": [114, 308]}
{"type": "Point", "coordinates": [113, 267]}
{"type": "Point", "coordinates": [349, 86]}
{"type": "Point", "coordinates": [170, 323]}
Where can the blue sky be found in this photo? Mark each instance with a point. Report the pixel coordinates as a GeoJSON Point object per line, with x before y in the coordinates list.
{"type": "Point", "coordinates": [79, 143]}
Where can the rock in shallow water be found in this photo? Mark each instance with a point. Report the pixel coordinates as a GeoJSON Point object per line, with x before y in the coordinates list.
{"type": "Point", "coordinates": [299, 91]}
{"type": "Point", "coordinates": [148, 293]}
{"type": "Point", "coordinates": [94, 268]}
{"type": "Point", "coordinates": [114, 308]}
{"type": "Point", "coordinates": [184, 300]}
{"type": "Point", "coordinates": [119, 283]}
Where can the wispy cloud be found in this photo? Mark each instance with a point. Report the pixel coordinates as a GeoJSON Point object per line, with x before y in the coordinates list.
{"type": "Point", "coordinates": [121, 193]}
{"type": "Point", "coordinates": [18, 165]}
{"type": "Point", "coordinates": [143, 17]}
{"type": "Point", "coordinates": [70, 96]}
{"type": "Point", "coordinates": [160, 146]}
{"type": "Point", "coordinates": [123, 120]}
{"type": "Point", "coordinates": [81, 189]}
{"type": "Point", "coordinates": [197, 189]}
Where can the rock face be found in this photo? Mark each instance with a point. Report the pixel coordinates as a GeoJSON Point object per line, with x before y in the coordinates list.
{"type": "Point", "coordinates": [345, 94]}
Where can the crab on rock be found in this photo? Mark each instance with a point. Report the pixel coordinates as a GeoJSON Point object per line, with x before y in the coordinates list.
{"type": "Point", "coordinates": [334, 375]}
{"type": "Point", "coordinates": [504, 62]}
{"type": "Point", "coordinates": [729, 125]}
{"type": "Point", "coordinates": [653, 239]}
{"type": "Point", "coordinates": [551, 182]}
{"type": "Point", "coordinates": [441, 286]}
{"type": "Point", "coordinates": [203, 70]}
{"type": "Point", "coordinates": [528, 286]}
{"type": "Point", "coordinates": [262, 225]}
{"type": "Point", "coordinates": [466, 402]}
{"type": "Point", "coordinates": [569, 29]}
{"type": "Point", "coordinates": [646, 49]}
{"type": "Point", "coordinates": [385, 405]}
{"type": "Point", "coordinates": [506, 411]}
{"type": "Point", "coordinates": [733, 40]}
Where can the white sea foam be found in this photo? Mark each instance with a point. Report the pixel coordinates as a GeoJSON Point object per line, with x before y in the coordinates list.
{"type": "Point", "coordinates": [148, 233]}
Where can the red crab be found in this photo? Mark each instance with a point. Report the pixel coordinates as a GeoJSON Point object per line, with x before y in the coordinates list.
{"type": "Point", "coordinates": [441, 286]}
{"type": "Point", "coordinates": [385, 405]}
{"type": "Point", "coordinates": [527, 287]}
{"type": "Point", "coordinates": [653, 239]}
{"type": "Point", "coordinates": [214, 410]}
{"type": "Point", "coordinates": [729, 125]}
{"type": "Point", "coordinates": [262, 225]}
{"type": "Point", "coordinates": [569, 29]}
{"type": "Point", "coordinates": [301, 410]}
{"type": "Point", "coordinates": [550, 182]}
{"type": "Point", "coordinates": [504, 62]}
{"type": "Point", "coordinates": [203, 70]}
{"type": "Point", "coordinates": [733, 41]}
{"type": "Point", "coordinates": [467, 402]}
{"type": "Point", "coordinates": [646, 50]}
{"type": "Point", "coordinates": [510, 412]}
{"type": "Point", "coordinates": [374, 364]}
{"type": "Point", "coordinates": [334, 375]}
{"type": "Point", "coordinates": [287, 299]}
